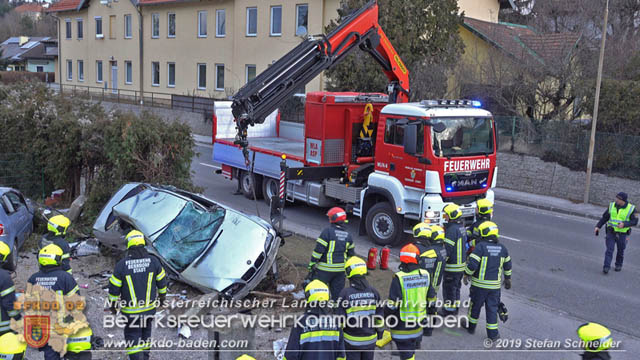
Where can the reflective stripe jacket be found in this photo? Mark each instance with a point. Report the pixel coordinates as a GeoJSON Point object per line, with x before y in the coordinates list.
{"type": "Point", "coordinates": [363, 305]}
{"type": "Point", "coordinates": [455, 239]}
{"type": "Point", "coordinates": [316, 340]}
{"type": "Point", "coordinates": [433, 259]}
{"type": "Point", "coordinates": [56, 279]}
{"type": "Point", "coordinates": [487, 263]}
{"type": "Point", "coordinates": [49, 238]}
{"type": "Point", "coordinates": [333, 247]}
{"type": "Point", "coordinates": [416, 279]}
{"type": "Point", "coordinates": [137, 280]}
{"type": "Point", "coordinates": [7, 297]}
{"type": "Point", "coordinates": [473, 234]}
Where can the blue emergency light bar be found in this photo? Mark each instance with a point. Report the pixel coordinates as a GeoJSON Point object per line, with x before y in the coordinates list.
{"type": "Point", "coordinates": [451, 103]}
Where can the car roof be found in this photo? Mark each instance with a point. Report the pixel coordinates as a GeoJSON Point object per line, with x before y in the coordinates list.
{"type": "Point", "coordinates": [4, 190]}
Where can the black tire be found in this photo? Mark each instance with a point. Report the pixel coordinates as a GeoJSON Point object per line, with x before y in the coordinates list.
{"type": "Point", "coordinates": [383, 224]}
{"type": "Point", "coordinates": [246, 181]}
{"type": "Point", "coordinates": [270, 187]}
{"type": "Point", "coordinates": [12, 261]}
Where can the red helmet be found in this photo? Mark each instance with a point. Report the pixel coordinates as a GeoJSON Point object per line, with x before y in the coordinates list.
{"type": "Point", "coordinates": [337, 215]}
{"type": "Point", "coordinates": [409, 254]}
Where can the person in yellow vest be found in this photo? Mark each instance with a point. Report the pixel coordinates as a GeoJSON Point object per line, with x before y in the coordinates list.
{"type": "Point", "coordinates": [620, 216]}
{"type": "Point", "coordinates": [596, 340]}
{"type": "Point", "coordinates": [11, 348]}
{"type": "Point", "coordinates": [79, 344]}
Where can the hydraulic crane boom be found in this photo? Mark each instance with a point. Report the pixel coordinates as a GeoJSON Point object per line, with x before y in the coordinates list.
{"type": "Point", "coordinates": [267, 91]}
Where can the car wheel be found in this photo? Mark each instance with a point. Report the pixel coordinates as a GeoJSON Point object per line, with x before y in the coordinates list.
{"type": "Point", "coordinates": [246, 184]}
{"type": "Point", "coordinates": [270, 188]}
{"type": "Point", "coordinates": [383, 224]}
{"type": "Point", "coordinates": [12, 261]}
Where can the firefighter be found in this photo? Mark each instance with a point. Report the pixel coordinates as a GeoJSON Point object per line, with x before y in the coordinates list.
{"type": "Point", "coordinates": [57, 227]}
{"type": "Point", "coordinates": [79, 344]}
{"type": "Point", "coordinates": [484, 212]}
{"type": "Point", "coordinates": [7, 291]}
{"type": "Point", "coordinates": [333, 247]}
{"type": "Point", "coordinates": [359, 303]}
{"type": "Point", "coordinates": [408, 294]}
{"type": "Point", "coordinates": [52, 277]}
{"type": "Point", "coordinates": [320, 337]}
{"type": "Point", "coordinates": [455, 241]}
{"type": "Point", "coordinates": [138, 280]}
{"type": "Point", "coordinates": [596, 339]}
{"type": "Point", "coordinates": [433, 256]}
{"type": "Point", "coordinates": [486, 264]}
{"type": "Point", "coordinates": [619, 217]}
{"type": "Point", "coordinates": [11, 348]}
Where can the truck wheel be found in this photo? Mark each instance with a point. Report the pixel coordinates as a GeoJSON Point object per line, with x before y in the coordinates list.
{"type": "Point", "coordinates": [246, 184]}
{"type": "Point", "coordinates": [270, 187]}
{"type": "Point", "coordinates": [384, 226]}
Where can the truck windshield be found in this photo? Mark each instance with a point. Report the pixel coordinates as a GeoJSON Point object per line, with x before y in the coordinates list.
{"type": "Point", "coordinates": [464, 136]}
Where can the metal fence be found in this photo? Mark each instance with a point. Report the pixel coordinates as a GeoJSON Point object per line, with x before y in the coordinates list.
{"type": "Point", "coordinates": [18, 171]}
{"type": "Point", "coordinates": [567, 143]}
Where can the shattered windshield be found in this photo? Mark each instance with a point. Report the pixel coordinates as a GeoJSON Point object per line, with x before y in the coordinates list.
{"type": "Point", "coordinates": [188, 235]}
{"type": "Point", "coordinates": [464, 136]}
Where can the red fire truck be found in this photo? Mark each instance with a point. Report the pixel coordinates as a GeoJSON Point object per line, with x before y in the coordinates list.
{"type": "Point", "coordinates": [388, 161]}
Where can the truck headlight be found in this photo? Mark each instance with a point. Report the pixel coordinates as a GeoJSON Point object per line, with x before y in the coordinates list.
{"type": "Point", "coordinates": [431, 216]}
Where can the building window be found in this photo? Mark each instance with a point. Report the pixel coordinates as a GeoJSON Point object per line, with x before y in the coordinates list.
{"type": "Point", "coordinates": [127, 26]}
{"type": "Point", "coordinates": [80, 70]}
{"type": "Point", "coordinates": [69, 70]}
{"type": "Point", "coordinates": [276, 21]}
{"type": "Point", "coordinates": [99, 71]}
{"type": "Point", "coordinates": [252, 21]}
{"type": "Point", "coordinates": [220, 77]}
{"type": "Point", "coordinates": [220, 23]}
{"type": "Point", "coordinates": [155, 73]}
{"type": "Point", "coordinates": [68, 28]}
{"type": "Point", "coordinates": [202, 76]}
{"type": "Point", "coordinates": [171, 25]}
{"type": "Point", "coordinates": [250, 73]}
{"type": "Point", "coordinates": [112, 27]}
{"type": "Point", "coordinates": [302, 19]}
{"type": "Point", "coordinates": [155, 25]}
{"type": "Point", "coordinates": [80, 28]}
{"type": "Point", "coordinates": [39, 68]}
{"type": "Point", "coordinates": [171, 74]}
{"type": "Point", "coordinates": [128, 67]}
{"type": "Point", "coordinates": [99, 27]}
{"type": "Point", "coordinates": [202, 23]}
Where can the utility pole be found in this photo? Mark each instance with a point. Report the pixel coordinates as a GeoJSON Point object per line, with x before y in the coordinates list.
{"type": "Point", "coordinates": [592, 142]}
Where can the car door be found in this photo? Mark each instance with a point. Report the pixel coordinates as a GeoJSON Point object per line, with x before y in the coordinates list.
{"type": "Point", "coordinates": [20, 216]}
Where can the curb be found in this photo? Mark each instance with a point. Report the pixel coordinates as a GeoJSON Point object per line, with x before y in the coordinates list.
{"type": "Point", "coordinates": [548, 208]}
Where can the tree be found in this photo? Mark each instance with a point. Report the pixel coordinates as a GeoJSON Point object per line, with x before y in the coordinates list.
{"type": "Point", "coordinates": [425, 35]}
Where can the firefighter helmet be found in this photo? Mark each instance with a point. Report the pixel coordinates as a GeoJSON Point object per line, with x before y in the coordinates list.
{"type": "Point", "coordinates": [245, 356]}
{"type": "Point", "coordinates": [317, 291]}
{"type": "Point", "coordinates": [409, 254]}
{"type": "Point", "coordinates": [595, 337]}
{"type": "Point", "coordinates": [503, 312]}
{"type": "Point", "coordinates": [135, 238]}
{"type": "Point", "coordinates": [337, 215]}
{"type": "Point", "coordinates": [11, 346]}
{"type": "Point", "coordinates": [58, 224]}
{"type": "Point", "coordinates": [50, 255]}
{"type": "Point", "coordinates": [355, 266]}
{"type": "Point", "coordinates": [485, 207]}
{"type": "Point", "coordinates": [452, 211]}
{"type": "Point", "coordinates": [489, 231]}
{"type": "Point", "coordinates": [80, 341]}
{"type": "Point", "coordinates": [5, 251]}
{"type": "Point", "coordinates": [422, 230]}
{"type": "Point", "coordinates": [437, 234]}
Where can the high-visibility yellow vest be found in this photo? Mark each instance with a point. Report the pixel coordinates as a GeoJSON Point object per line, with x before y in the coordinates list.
{"type": "Point", "coordinates": [617, 216]}
{"type": "Point", "coordinates": [415, 286]}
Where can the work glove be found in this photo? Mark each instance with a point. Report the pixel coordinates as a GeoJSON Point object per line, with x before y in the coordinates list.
{"type": "Point", "coordinates": [310, 267]}
{"type": "Point", "coordinates": [597, 231]}
{"type": "Point", "coordinates": [465, 279]}
{"type": "Point", "coordinates": [113, 308]}
{"type": "Point", "coordinates": [507, 284]}
{"type": "Point", "coordinates": [162, 298]}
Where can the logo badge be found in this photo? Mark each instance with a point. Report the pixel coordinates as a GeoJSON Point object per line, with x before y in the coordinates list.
{"type": "Point", "coordinates": [413, 174]}
{"type": "Point", "coordinates": [36, 330]}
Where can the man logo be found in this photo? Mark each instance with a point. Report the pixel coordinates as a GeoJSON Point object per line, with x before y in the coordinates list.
{"type": "Point", "coordinates": [36, 330]}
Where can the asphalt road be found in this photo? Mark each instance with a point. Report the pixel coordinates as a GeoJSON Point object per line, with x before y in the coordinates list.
{"type": "Point", "coordinates": [557, 259]}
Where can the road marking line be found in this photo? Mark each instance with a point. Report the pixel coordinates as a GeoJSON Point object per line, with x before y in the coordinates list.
{"type": "Point", "coordinates": [510, 238]}
{"type": "Point", "coordinates": [209, 165]}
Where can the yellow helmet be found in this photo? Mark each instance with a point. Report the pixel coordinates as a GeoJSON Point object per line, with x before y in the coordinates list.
{"type": "Point", "coordinates": [135, 238]}
{"type": "Point", "coordinates": [422, 230]}
{"type": "Point", "coordinates": [488, 229]}
{"type": "Point", "coordinates": [453, 211]}
{"type": "Point", "coordinates": [58, 224]}
{"type": "Point", "coordinates": [245, 357]}
{"type": "Point", "coordinates": [10, 344]}
{"type": "Point", "coordinates": [596, 337]}
{"type": "Point", "coordinates": [437, 233]}
{"type": "Point", "coordinates": [50, 255]}
{"type": "Point", "coordinates": [317, 291]}
{"type": "Point", "coordinates": [485, 207]}
{"type": "Point", "coordinates": [80, 341]}
{"type": "Point", "coordinates": [355, 266]}
{"type": "Point", "coordinates": [5, 251]}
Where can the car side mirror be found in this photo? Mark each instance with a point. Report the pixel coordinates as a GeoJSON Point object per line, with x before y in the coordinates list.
{"type": "Point", "coordinates": [411, 139]}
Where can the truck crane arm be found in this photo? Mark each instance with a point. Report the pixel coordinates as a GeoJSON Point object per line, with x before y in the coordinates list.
{"type": "Point", "coordinates": [267, 91]}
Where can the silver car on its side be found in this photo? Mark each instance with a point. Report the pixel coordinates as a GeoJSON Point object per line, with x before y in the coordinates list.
{"type": "Point", "coordinates": [16, 220]}
{"type": "Point", "coordinates": [202, 243]}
